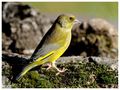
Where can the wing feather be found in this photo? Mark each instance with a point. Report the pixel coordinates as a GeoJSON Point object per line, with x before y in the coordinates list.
{"type": "Point", "coordinates": [44, 47]}
{"type": "Point", "coordinates": [45, 51]}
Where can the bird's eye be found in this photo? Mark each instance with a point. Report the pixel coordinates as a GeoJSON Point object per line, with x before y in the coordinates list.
{"type": "Point", "coordinates": [71, 18]}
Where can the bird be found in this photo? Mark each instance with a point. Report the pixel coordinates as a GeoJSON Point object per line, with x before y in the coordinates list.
{"type": "Point", "coordinates": [53, 44]}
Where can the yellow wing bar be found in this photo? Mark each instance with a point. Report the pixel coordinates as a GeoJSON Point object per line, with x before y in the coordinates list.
{"type": "Point", "coordinates": [45, 56]}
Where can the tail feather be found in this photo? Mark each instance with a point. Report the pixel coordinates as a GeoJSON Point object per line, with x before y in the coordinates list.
{"type": "Point", "coordinates": [28, 67]}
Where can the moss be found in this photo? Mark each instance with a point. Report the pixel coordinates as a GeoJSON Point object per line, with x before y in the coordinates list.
{"type": "Point", "coordinates": [85, 75]}
{"type": "Point", "coordinates": [107, 78]}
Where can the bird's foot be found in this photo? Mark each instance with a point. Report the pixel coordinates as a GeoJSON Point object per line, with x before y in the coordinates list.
{"type": "Point", "coordinates": [49, 66]}
{"type": "Point", "coordinates": [60, 71]}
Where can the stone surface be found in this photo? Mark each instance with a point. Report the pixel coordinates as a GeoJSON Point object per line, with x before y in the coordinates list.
{"type": "Point", "coordinates": [95, 37]}
{"type": "Point", "coordinates": [81, 72]}
{"type": "Point", "coordinates": [23, 27]}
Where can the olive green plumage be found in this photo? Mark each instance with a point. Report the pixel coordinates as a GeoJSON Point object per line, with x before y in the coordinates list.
{"type": "Point", "coordinates": [53, 44]}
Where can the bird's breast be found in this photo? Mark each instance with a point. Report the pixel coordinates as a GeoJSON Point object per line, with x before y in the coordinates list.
{"type": "Point", "coordinates": [63, 40]}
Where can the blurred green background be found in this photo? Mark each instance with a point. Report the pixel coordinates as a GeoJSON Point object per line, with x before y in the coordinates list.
{"type": "Point", "coordinates": [82, 10]}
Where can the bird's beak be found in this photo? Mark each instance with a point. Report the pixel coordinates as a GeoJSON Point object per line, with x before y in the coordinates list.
{"type": "Point", "coordinates": [76, 21]}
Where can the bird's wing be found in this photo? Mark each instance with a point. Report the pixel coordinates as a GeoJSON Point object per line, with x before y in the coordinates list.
{"type": "Point", "coordinates": [45, 51]}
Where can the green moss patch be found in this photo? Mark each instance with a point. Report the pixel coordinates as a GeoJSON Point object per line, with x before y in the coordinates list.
{"type": "Point", "coordinates": [78, 75]}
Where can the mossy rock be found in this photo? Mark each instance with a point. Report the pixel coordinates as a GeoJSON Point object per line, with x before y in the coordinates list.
{"type": "Point", "coordinates": [87, 75]}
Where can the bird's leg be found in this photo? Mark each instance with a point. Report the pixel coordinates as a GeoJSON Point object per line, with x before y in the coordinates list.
{"type": "Point", "coordinates": [59, 71]}
{"type": "Point", "coordinates": [49, 66]}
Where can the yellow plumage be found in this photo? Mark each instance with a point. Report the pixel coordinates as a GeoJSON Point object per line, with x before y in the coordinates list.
{"type": "Point", "coordinates": [53, 44]}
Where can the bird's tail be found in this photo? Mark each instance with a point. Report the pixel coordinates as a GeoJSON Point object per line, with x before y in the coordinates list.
{"type": "Point", "coordinates": [28, 67]}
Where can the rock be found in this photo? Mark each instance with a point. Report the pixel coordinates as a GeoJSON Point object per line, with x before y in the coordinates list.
{"type": "Point", "coordinates": [5, 82]}
{"type": "Point", "coordinates": [81, 72]}
{"type": "Point", "coordinates": [23, 27]}
{"type": "Point", "coordinates": [95, 37]}
{"type": "Point", "coordinates": [102, 26]}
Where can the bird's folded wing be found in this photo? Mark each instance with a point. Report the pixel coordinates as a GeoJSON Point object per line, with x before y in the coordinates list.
{"type": "Point", "coordinates": [44, 52]}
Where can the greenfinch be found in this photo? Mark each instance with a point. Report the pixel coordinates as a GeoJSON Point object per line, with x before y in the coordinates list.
{"type": "Point", "coordinates": [53, 45]}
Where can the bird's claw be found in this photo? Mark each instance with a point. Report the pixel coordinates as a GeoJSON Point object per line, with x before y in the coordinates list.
{"type": "Point", "coordinates": [61, 71]}
{"type": "Point", "coordinates": [49, 66]}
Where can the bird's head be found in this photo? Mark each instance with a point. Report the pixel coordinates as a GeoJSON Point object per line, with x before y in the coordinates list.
{"type": "Point", "coordinates": [66, 21]}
